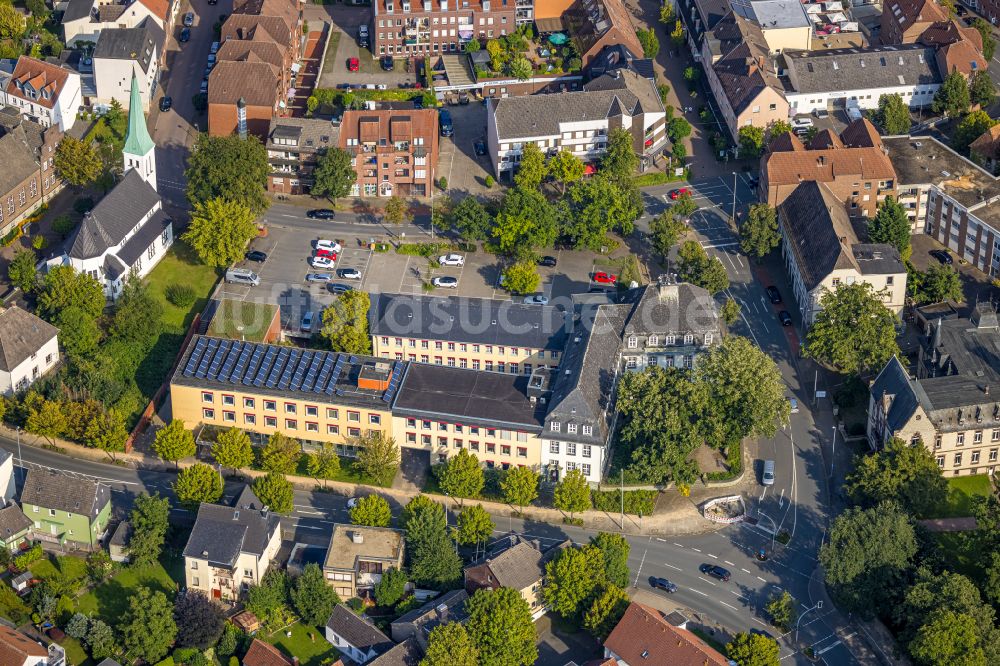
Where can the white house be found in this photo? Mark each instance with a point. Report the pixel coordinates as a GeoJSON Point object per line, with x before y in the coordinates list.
{"type": "Point", "coordinates": [7, 485]}
{"type": "Point", "coordinates": [124, 53]}
{"type": "Point", "coordinates": [359, 640]}
{"type": "Point", "coordinates": [128, 231]}
{"type": "Point", "coordinates": [577, 121]}
{"type": "Point", "coordinates": [84, 20]}
{"type": "Point", "coordinates": [20, 650]}
{"type": "Point", "coordinates": [28, 349]}
{"type": "Point", "coordinates": [45, 93]}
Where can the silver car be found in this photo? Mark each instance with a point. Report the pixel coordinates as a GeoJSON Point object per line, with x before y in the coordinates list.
{"type": "Point", "coordinates": [319, 277]}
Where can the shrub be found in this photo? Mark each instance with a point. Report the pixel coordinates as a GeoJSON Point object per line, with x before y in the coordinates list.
{"type": "Point", "coordinates": [489, 181]}
{"type": "Point", "coordinates": [443, 183]}
{"type": "Point", "coordinates": [63, 225]}
{"type": "Point", "coordinates": [734, 461]}
{"type": "Point", "coordinates": [355, 604]}
{"type": "Point", "coordinates": [28, 557]}
{"type": "Point", "coordinates": [636, 501]}
{"type": "Point", "coordinates": [83, 205]}
{"type": "Point", "coordinates": [180, 295]}
{"type": "Point", "coordinates": [39, 242]}
{"type": "Point", "coordinates": [422, 249]}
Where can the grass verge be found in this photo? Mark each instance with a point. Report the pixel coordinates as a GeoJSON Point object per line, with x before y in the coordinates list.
{"type": "Point", "coordinates": [712, 642]}
{"type": "Point", "coordinates": [306, 643]}
{"type": "Point", "coordinates": [332, 42]}
{"type": "Point", "coordinates": [961, 490]}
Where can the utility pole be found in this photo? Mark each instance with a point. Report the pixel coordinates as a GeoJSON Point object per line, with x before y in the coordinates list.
{"type": "Point", "coordinates": [818, 606]}
{"type": "Point", "coordinates": [20, 463]}
{"type": "Point", "coordinates": [833, 453]}
{"type": "Point", "coordinates": [734, 198]}
{"type": "Point", "coordinates": [623, 500]}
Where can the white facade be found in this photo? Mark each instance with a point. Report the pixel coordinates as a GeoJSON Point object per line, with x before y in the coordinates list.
{"type": "Point", "coordinates": [113, 78]}
{"type": "Point", "coordinates": [228, 584]}
{"type": "Point", "coordinates": [7, 485]}
{"type": "Point", "coordinates": [88, 29]}
{"type": "Point", "coordinates": [588, 458]}
{"type": "Point", "coordinates": [64, 108]}
{"type": "Point", "coordinates": [358, 655]}
{"type": "Point", "coordinates": [587, 140]}
{"type": "Point", "coordinates": [30, 369]}
{"type": "Point", "coordinates": [916, 96]}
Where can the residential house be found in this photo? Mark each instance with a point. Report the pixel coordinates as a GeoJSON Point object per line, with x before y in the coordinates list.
{"type": "Point", "coordinates": [476, 333]}
{"type": "Point", "coordinates": [84, 20]}
{"type": "Point", "coordinates": [985, 150]}
{"type": "Point", "coordinates": [783, 23]}
{"type": "Point", "coordinates": [854, 168]}
{"type": "Point", "coordinates": [407, 653]}
{"type": "Point", "coordinates": [293, 147]}
{"type": "Point", "coordinates": [44, 93]}
{"type": "Point", "coordinates": [355, 637]}
{"type": "Point", "coordinates": [946, 405]}
{"type": "Point", "coordinates": [28, 179]}
{"type": "Point", "coordinates": [924, 21]}
{"type": "Point", "coordinates": [671, 324]}
{"type": "Point", "coordinates": [69, 510]}
{"type": "Point", "coordinates": [618, 56]}
{"type": "Point", "coordinates": [393, 151]}
{"type": "Point", "coordinates": [597, 24]}
{"type": "Point", "coordinates": [517, 563]}
{"type": "Point", "coordinates": [16, 649]}
{"type": "Point", "coordinates": [644, 636]}
{"type": "Point", "coordinates": [699, 17]}
{"type": "Point", "coordinates": [7, 66]}
{"type": "Point", "coordinates": [7, 484]}
{"type": "Point", "coordinates": [822, 252]}
{"type": "Point", "coordinates": [577, 121]}
{"type": "Point", "coordinates": [358, 556]}
{"type": "Point", "coordinates": [15, 528]}
{"type": "Point", "coordinates": [124, 53]}
{"type": "Point", "coordinates": [417, 624]}
{"type": "Point", "coordinates": [264, 654]}
{"type": "Point", "coordinates": [231, 547]}
{"type": "Point", "coordinates": [242, 98]}
{"type": "Point", "coordinates": [29, 348]}
{"type": "Point", "coordinates": [428, 28]}
{"type": "Point", "coordinates": [118, 543]}
{"type": "Point", "coordinates": [443, 410]}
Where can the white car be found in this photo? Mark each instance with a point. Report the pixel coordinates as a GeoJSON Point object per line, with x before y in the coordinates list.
{"type": "Point", "coordinates": [321, 262]}
{"type": "Point", "coordinates": [536, 299]}
{"type": "Point", "coordinates": [801, 124]}
{"type": "Point", "coordinates": [451, 260]}
{"type": "Point", "coordinates": [446, 281]}
{"type": "Point", "coordinates": [329, 246]}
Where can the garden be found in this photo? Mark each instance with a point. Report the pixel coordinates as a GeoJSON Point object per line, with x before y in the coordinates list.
{"type": "Point", "coordinates": [524, 55]}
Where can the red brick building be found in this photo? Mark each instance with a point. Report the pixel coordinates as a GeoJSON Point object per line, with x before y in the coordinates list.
{"type": "Point", "coordinates": [394, 150]}
{"type": "Point", "coordinates": [27, 178]}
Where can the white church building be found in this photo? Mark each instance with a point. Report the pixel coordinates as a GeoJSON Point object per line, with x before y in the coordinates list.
{"type": "Point", "coordinates": [128, 231]}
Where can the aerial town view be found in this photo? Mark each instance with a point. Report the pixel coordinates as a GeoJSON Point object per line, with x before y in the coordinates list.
{"type": "Point", "coordinates": [499, 332]}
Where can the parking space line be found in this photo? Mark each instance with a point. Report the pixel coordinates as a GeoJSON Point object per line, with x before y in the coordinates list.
{"type": "Point", "coordinates": [699, 592]}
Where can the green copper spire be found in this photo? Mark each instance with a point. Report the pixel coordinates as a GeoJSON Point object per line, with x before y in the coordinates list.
{"type": "Point", "coordinates": [137, 139]}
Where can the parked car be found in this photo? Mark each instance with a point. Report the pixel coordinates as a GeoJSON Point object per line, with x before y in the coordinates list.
{"type": "Point", "coordinates": [185, 35]}
{"type": "Point", "coordinates": [547, 261]}
{"type": "Point", "coordinates": [324, 252]}
{"type": "Point", "coordinates": [678, 193]}
{"type": "Point", "coordinates": [451, 260]}
{"type": "Point", "coordinates": [203, 88]}
{"type": "Point", "coordinates": [256, 256]}
{"type": "Point", "coordinates": [166, 103]}
{"type": "Point", "coordinates": [444, 120]}
{"type": "Point", "coordinates": [767, 474]}
{"type": "Point", "coordinates": [786, 319]}
{"type": "Point", "coordinates": [802, 124]}
{"type": "Point", "coordinates": [349, 273]}
{"type": "Point", "coordinates": [536, 299]}
{"type": "Point", "coordinates": [463, 98]}
{"type": "Point", "coordinates": [662, 584]}
{"type": "Point", "coordinates": [352, 502]}
{"type": "Point", "coordinates": [773, 294]}
{"type": "Point", "coordinates": [352, 65]}
{"type": "Point", "coordinates": [821, 113]}
{"type": "Point", "coordinates": [715, 571]}
{"type": "Point", "coordinates": [242, 276]}
{"type": "Point", "coordinates": [793, 405]}
{"type": "Point", "coordinates": [942, 256]}
{"type": "Point", "coordinates": [322, 262]}
{"type": "Point", "coordinates": [388, 63]}
{"type": "Point", "coordinates": [336, 288]}
{"type": "Point", "coordinates": [211, 59]}
{"type": "Point", "coordinates": [215, 47]}
{"type": "Point", "coordinates": [188, 19]}
{"type": "Point", "coordinates": [307, 322]}
{"type": "Point", "coordinates": [447, 281]}
{"type": "Point", "coordinates": [329, 245]}
{"type": "Point", "coordinates": [319, 277]}
{"type": "Point", "coordinates": [320, 214]}
{"type": "Point", "coordinates": [600, 277]}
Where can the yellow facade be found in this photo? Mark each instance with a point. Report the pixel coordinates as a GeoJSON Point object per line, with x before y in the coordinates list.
{"type": "Point", "coordinates": [493, 446]}
{"type": "Point", "coordinates": [492, 358]}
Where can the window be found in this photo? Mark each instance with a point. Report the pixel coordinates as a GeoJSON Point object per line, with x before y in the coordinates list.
{"type": "Point", "coordinates": [228, 400]}
{"type": "Point", "coordinates": [585, 467]}
{"type": "Point", "coordinates": [411, 438]}
{"type": "Point", "coordinates": [960, 439]}
{"type": "Point", "coordinates": [571, 428]}
{"type": "Point", "coordinates": [374, 419]}
{"type": "Point", "coordinates": [588, 430]}
{"type": "Point", "coordinates": [653, 341]}
{"type": "Point", "coordinates": [248, 403]}
{"type": "Point", "coordinates": [312, 410]}
{"type": "Point", "coordinates": [331, 413]}
{"type": "Point", "coordinates": [442, 441]}
{"type": "Point", "coordinates": [940, 461]}
{"type": "Point", "coordinates": [411, 423]}
{"type": "Point", "coordinates": [291, 424]}
{"type": "Point", "coordinates": [977, 437]}
{"type": "Point", "coordinates": [570, 449]}
{"type": "Point", "coordinates": [474, 446]}
{"type": "Point", "coordinates": [958, 459]}
{"type": "Point", "coordinates": [425, 440]}
{"type": "Point", "coordinates": [554, 447]}
{"type": "Point", "coordinates": [354, 417]}
{"type": "Point", "coordinates": [505, 449]}
{"type": "Point", "coordinates": [522, 452]}
{"type": "Point", "coordinates": [208, 413]}
{"type": "Point", "coordinates": [354, 432]}
{"type": "Point", "coordinates": [586, 450]}
{"type": "Point", "coordinates": [995, 436]}
{"type": "Point", "coordinates": [975, 457]}
{"type": "Point", "coordinates": [206, 396]}
{"type": "Point", "coordinates": [555, 426]}
{"type": "Point", "coordinates": [271, 421]}
{"type": "Point", "coordinates": [458, 443]}
{"type": "Point", "coordinates": [194, 565]}
{"type": "Point", "coordinates": [442, 426]}
{"type": "Point", "coordinates": [993, 455]}
{"type": "Point", "coordinates": [250, 419]}
{"type": "Point", "coordinates": [229, 416]}
{"type": "Point", "coordinates": [937, 441]}
{"type": "Point", "coordinates": [290, 408]}
{"type": "Point", "coordinates": [633, 342]}
{"type": "Point", "coordinates": [52, 512]}
{"type": "Point", "coordinates": [270, 406]}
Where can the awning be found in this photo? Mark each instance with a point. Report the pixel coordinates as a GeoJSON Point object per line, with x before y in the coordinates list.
{"type": "Point", "coordinates": [558, 38]}
{"type": "Point", "coordinates": [549, 24]}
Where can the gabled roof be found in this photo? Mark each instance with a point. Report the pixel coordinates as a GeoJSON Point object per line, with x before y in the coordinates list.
{"type": "Point", "coordinates": [221, 532]}
{"type": "Point", "coordinates": [52, 490]}
{"type": "Point", "coordinates": [906, 13]}
{"type": "Point", "coordinates": [21, 335]}
{"type": "Point", "coordinates": [20, 157]}
{"type": "Point", "coordinates": [988, 143]}
{"type": "Point", "coordinates": [45, 79]}
{"type": "Point", "coordinates": [255, 82]}
{"type": "Point", "coordinates": [745, 69]}
{"type": "Point", "coordinates": [249, 50]}
{"type": "Point", "coordinates": [643, 636]}
{"type": "Point", "coordinates": [862, 69]}
{"type": "Point", "coordinates": [13, 521]}
{"type": "Point", "coordinates": [790, 167]}
{"type": "Point", "coordinates": [248, 26]}
{"type": "Point", "coordinates": [407, 653]}
{"type": "Point", "coordinates": [825, 138]}
{"type": "Point", "coordinates": [893, 389]}
{"type": "Point", "coordinates": [786, 141]}
{"type": "Point", "coordinates": [861, 134]}
{"type": "Point", "coordinates": [286, 10]}
{"type": "Point", "coordinates": [518, 567]}
{"type": "Point", "coordinates": [16, 648]}
{"type": "Point", "coordinates": [358, 633]}
{"type": "Point", "coordinates": [159, 8]}
{"type": "Point", "coordinates": [961, 57]}
{"type": "Point", "coordinates": [674, 308]}
{"type": "Point", "coordinates": [141, 44]}
{"type": "Point", "coordinates": [114, 217]}
{"type": "Point", "coordinates": [264, 654]}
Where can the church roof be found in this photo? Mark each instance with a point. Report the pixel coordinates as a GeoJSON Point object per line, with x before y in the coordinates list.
{"type": "Point", "coordinates": [137, 139]}
{"type": "Point", "coordinates": [114, 217]}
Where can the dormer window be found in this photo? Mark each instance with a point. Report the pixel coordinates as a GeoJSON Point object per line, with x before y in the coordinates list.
{"type": "Point", "coordinates": [555, 426]}
{"type": "Point", "coordinates": [708, 339]}
{"type": "Point", "coordinates": [633, 342]}
{"type": "Point", "coordinates": [571, 428]}
{"type": "Point", "coordinates": [653, 340]}
{"type": "Point", "coordinates": [588, 430]}
{"type": "Point", "coordinates": [688, 338]}
{"type": "Point", "coordinates": [388, 7]}
{"type": "Point", "coordinates": [671, 340]}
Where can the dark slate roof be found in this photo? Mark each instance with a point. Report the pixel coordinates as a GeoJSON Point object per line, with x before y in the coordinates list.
{"type": "Point", "coordinates": [429, 615]}
{"type": "Point", "coordinates": [744, 69]}
{"type": "Point", "coordinates": [221, 532]}
{"type": "Point", "coordinates": [468, 396]}
{"type": "Point", "coordinates": [21, 335]}
{"type": "Point", "coordinates": [346, 624]}
{"type": "Point", "coordinates": [673, 308]}
{"type": "Point", "coordinates": [583, 389]}
{"type": "Point", "coordinates": [141, 43]}
{"type": "Point", "coordinates": [893, 383]}
{"type": "Point", "coordinates": [77, 9]}
{"type": "Point", "coordinates": [469, 320]}
{"type": "Point", "coordinates": [114, 217]}
{"type": "Point", "coordinates": [407, 653]}
{"type": "Point", "coordinates": [877, 259]}
{"type": "Point", "coordinates": [147, 234]}
{"type": "Point", "coordinates": [858, 69]}
{"type": "Point", "coordinates": [19, 147]}
{"type": "Point", "coordinates": [52, 490]}
{"type": "Point", "coordinates": [122, 535]}
{"type": "Point", "coordinates": [13, 521]}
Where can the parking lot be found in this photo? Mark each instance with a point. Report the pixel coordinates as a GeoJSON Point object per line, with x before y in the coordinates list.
{"type": "Point", "coordinates": [457, 160]}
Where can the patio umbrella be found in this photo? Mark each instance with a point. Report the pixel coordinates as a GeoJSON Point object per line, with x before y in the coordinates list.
{"type": "Point", "coordinates": [558, 38]}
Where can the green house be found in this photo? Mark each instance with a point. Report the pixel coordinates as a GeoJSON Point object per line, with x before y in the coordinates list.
{"type": "Point", "coordinates": [64, 509]}
{"type": "Point", "coordinates": [14, 527]}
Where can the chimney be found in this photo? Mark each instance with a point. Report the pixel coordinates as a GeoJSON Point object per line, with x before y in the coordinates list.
{"type": "Point", "coordinates": [937, 334]}
{"type": "Point", "coordinates": [986, 389]}
{"type": "Point", "coordinates": [357, 537]}
{"type": "Point", "coordinates": [666, 286]}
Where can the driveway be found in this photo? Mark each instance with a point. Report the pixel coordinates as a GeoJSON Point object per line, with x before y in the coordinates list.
{"type": "Point", "coordinates": [457, 161]}
{"type": "Point", "coordinates": [976, 285]}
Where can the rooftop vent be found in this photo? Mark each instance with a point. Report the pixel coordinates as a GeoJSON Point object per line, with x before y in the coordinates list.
{"type": "Point", "coordinates": [357, 537]}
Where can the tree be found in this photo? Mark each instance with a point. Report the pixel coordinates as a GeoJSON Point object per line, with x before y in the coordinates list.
{"type": "Point", "coordinates": [198, 484]}
{"type": "Point", "coordinates": [149, 520]}
{"type": "Point", "coordinates": [415, 506]}
{"type": "Point", "coordinates": [138, 316]}
{"type": "Point", "coordinates": [970, 128]}
{"type": "Point", "coordinates": [751, 139]}
{"type": "Point", "coordinates": [220, 230]}
{"type": "Point", "coordinates": [666, 229]}
{"type": "Point", "coordinates": [893, 114]}
{"type": "Point", "coordinates": [605, 612]}
{"type": "Point", "coordinates": [49, 421]}
{"type": "Point", "coordinates": [174, 442]}
{"type": "Point", "coordinates": [378, 456]}
{"type": "Point", "coordinates": [148, 628]}
{"type": "Point", "coordinates": [324, 463]}
{"type": "Point", "coordinates": [952, 98]}
{"type": "Point", "coordinates": [232, 449]}
{"type": "Point", "coordinates": [281, 454]}
{"type": "Point", "coordinates": [649, 42]}
{"type": "Point", "coordinates": [461, 475]}
{"type": "Point", "coordinates": [982, 90]}
{"type": "Point", "coordinates": [777, 128]}
{"type": "Point", "coordinates": [21, 270]}
{"type": "Point", "coordinates": [520, 68]}
{"type": "Point", "coordinates": [267, 600]}
{"type": "Point", "coordinates": [78, 332]}
{"type": "Point", "coordinates": [433, 560]}
{"type": "Point", "coordinates": [520, 486]}
{"type": "Point", "coordinates": [614, 549]}
{"type": "Point", "coordinates": [933, 592]}
{"type": "Point", "coordinates": [450, 645]}
{"type": "Point", "coordinates": [107, 432]}
{"type": "Point", "coordinates": [677, 35]}
{"type": "Point", "coordinates": [991, 584]}
{"type": "Point", "coordinates": [948, 638]}
{"type": "Point", "coordinates": [101, 640]}
{"type": "Point", "coordinates": [275, 491]}
{"type": "Point", "coordinates": [759, 233]}
{"type": "Point", "coordinates": [526, 221]}
{"type": "Point", "coordinates": [938, 283]}
{"type": "Point", "coordinates": [667, 14]}
{"type": "Point", "coordinates": [565, 167]}
{"type": "Point", "coordinates": [394, 211]}
{"type": "Point", "coordinates": [312, 597]}
{"type": "Point", "coordinates": [230, 168]}
{"type": "Point", "coordinates": [500, 625]}
{"type": "Point", "coordinates": [906, 473]}
{"type": "Point", "coordinates": [867, 556]}
{"type": "Point", "coordinates": [591, 208]}
{"type": "Point", "coordinates": [334, 176]}
{"type": "Point", "coordinates": [76, 161]}
{"type": "Point", "coordinates": [891, 226]}
{"type": "Point", "coordinates": [199, 619]}
{"type": "Point", "coordinates": [390, 588]}
{"type": "Point", "coordinates": [619, 161]}
{"type": "Point", "coordinates": [571, 581]}
{"type": "Point", "coordinates": [751, 649]}
{"type": "Point", "coordinates": [989, 43]}
{"type": "Point", "coordinates": [783, 611]}
{"type": "Point", "coordinates": [471, 220]}
{"type": "Point", "coordinates": [730, 311]}
{"type": "Point", "coordinates": [371, 510]}
{"type": "Point", "coordinates": [532, 169]}
{"type": "Point", "coordinates": [77, 626]}
{"type": "Point", "coordinates": [853, 331]}
{"type": "Point", "coordinates": [474, 526]}
{"type": "Point", "coordinates": [521, 278]}
{"type": "Point", "coordinates": [572, 493]}
{"type": "Point", "coordinates": [64, 288]}
{"type": "Point", "coordinates": [345, 323]}
{"type": "Point", "coordinates": [695, 266]}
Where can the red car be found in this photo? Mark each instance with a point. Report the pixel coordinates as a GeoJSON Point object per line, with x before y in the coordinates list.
{"type": "Point", "coordinates": [323, 252]}
{"type": "Point", "coordinates": [677, 194]}
{"type": "Point", "coordinates": [605, 278]}
{"type": "Point", "coordinates": [352, 64]}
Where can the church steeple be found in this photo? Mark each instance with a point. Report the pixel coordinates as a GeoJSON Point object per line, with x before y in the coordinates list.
{"type": "Point", "coordinates": [139, 148]}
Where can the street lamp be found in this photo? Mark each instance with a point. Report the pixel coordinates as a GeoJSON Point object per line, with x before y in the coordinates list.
{"type": "Point", "coordinates": [818, 606]}
{"type": "Point", "coordinates": [833, 453]}
{"type": "Point", "coordinates": [734, 198]}
{"type": "Point", "coordinates": [20, 463]}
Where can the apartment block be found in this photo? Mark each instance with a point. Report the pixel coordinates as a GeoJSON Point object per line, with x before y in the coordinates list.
{"type": "Point", "coordinates": [28, 179]}
{"type": "Point", "coordinates": [293, 147]}
{"type": "Point", "coordinates": [431, 27]}
{"type": "Point", "coordinates": [358, 556]}
{"type": "Point", "coordinates": [44, 93]}
{"type": "Point", "coordinates": [394, 150]}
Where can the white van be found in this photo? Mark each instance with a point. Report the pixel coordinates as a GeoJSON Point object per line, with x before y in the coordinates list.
{"type": "Point", "coordinates": [767, 478]}
{"type": "Point", "coordinates": [242, 276]}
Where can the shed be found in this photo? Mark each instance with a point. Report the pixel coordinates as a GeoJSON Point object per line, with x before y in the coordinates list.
{"type": "Point", "coordinates": [21, 582]}
{"type": "Point", "coordinates": [247, 621]}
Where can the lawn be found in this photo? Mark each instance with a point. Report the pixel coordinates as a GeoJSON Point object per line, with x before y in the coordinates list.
{"type": "Point", "coordinates": [348, 472]}
{"type": "Point", "coordinates": [75, 654]}
{"type": "Point", "coordinates": [961, 490]}
{"type": "Point", "coordinates": [310, 651]}
{"type": "Point", "coordinates": [333, 41]}
{"type": "Point", "coordinates": [71, 568]}
{"type": "Point", "coordinates": [110, 600]}
{"type": "Point", "coordinates": [242, 319]}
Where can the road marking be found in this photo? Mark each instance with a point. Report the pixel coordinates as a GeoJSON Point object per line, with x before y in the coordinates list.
{"type": "Point", "coordinates": [709, 582]}
{"type": "Point", "coordinates": [639, 570]}
{"type": "Point", "coordinates": [716, 246]}
{"type": "Point", "coordinates": [729, 605]}
{"type": "Point", "coordinates": [672, 567]}
{"type": "Point", "coordinates": [713, 556]}
{"type": "Point", "coordinates": [311, 513]}
{"type": "Point", "coordinates": [699, 592]}
{"type": "Point", "coordinates": [697, 550]}
{"type": "Point", "coordinates": [732, 564]}
{"type": "Point", "coordinates": [761, 579]}
{"type": "Point", "coordinates": [744, 570]}
{"type": "Point", "coordinates": [759, 622]}
{"type": "Point", "coordinates": [661, 540]}
{"type": "Point", "coordinates": [736, 594]}
{"type": "Point", "coordinates": [678, 545]}
{"type": "Point", "coordinates": [827, 649]}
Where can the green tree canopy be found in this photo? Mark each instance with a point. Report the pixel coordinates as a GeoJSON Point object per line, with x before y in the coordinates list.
{"type": "Point", "coordinates": [230, 168]}
{"type": "Point", "coordinates": [665, 230]}
{"type": "Point", "coordinates": [63, 288]}
{"type": "Point", "coordinates": [572, 581]}
{"type": "Point", "coordinates": [970, 128]}
{"type": "Point", "coordinates": [520, 68]}
{"type": "Point", "coordinates": [649, 42]}
{"type": "Point", "coordinates": [759, 232]}
{"type": "Point", "coordinates": [200, 620]}
{"type": "Point", "coordinates": [605, 612]}
{"type": "Point", "coordinates": [461, 475]}
{"type": "Point", "coordinates": [220, 230]}
{"type": "Point", "coordinates": [106, 432]}
{"type": "Point", "coordinates": [275, 491]}
{"type": "Point", "coordinates": [371, 510]}
{"type": "Point", "coordinates": [751, 139]}
{"type": "Point", "coordinates": [21, 270]}
{"type": "Point", "coordinates": [197, 484]}
{"type": "Point", "coordinates": [938, 283]}
{"type": "Point", "coordinates": [174, 442]}
{"type": "Point", "coordinates": [572, 493]}
{"type": "Point", "coordinates": [395, 211]}
{"type": "Point", "coordinates": [695, 266]}
{"type": "Point", "coordinates": [614, 550]}
{"type": "Point", "coordinates": [232, 449]}
{"type": "Point", "coordinates": [948, 638]}
{"type": "Point", "coordinates": [312, 598]}
{"type": "Point", "coordinates": [474, 525]}
{"type": "Point", "coordinates": [390, 588]}
{"type": "Point", "coordinates": [903, 472]}
{"type": "Point", "coordinates": [596, 206]}
{"type": "Point", "coordinates": [149, 519]}
{"type": "Point", "coordinates": [147, 628]}
{"type": "Point", "coordinates": [532, 169]}
{"type": "Point", "coordinates": [952, 98]}
{"type": "Point", "coordinates": [520, 486]}
{"type": "Point", "coordinates": [891, 226]}
{"type": "Point", "coordinates": [334, 175]}
{"type": "Point", "coordinates": [433, 560]}
{"type": "Point", "coordinates": [324, 463]}
{"type": "Point", "coordinates": [783, 610]}
{"type": "Point", "coordinates": [521, 278]}
{"type": "Point", "coordinates": [777, 128]}
{"type": "Point", "coordinates": [415, 506]}
{"type": "Point", "coordinates": [281, 454]}
{"type": "Point", "coordinates": [893, 114]}
{"type": "Point", "coordinates": [989, 42]}
{"type": "Point", "coordinates": [48, 420]}
{"type": "Point", "coordinates": [854, 331]}
{"type": "Point", "coordinates": [526, 222]}
{"type": "Point", "coordinates": [345, 323]}
{"type": "Point", "coordinates": [76, 161]}
{"type": "Point", "coordinates": [566, 168]}
{"type": "Point", "coordinates": [500, 625]}
{"type": "Point", "coordinates": [982, 90]}
{"type": "Point", "coordinates": [471, 220]}
{"type": "Point", "coordinates": [378, 456]}
{"type": "Point", "coordinates": [748, 649]}
{"type": "Point", "coordinates": [450, 645]}
{"type": "Point", "coordinates": [620, 161]}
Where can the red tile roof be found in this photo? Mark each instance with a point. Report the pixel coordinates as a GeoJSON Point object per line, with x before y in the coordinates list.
{"type": "Point", "coordinates": [960, 57]}
{"type": "Point", "coordinates": [39, 75]}
{"type": "Point", "coordinates": [643, 636]}
{"type": "Point", "coordinates": [265, 654]}
{"type": "Point", "coordinates": [15, 647]}
{"type": "Point", "coordinates": [160, 8]}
